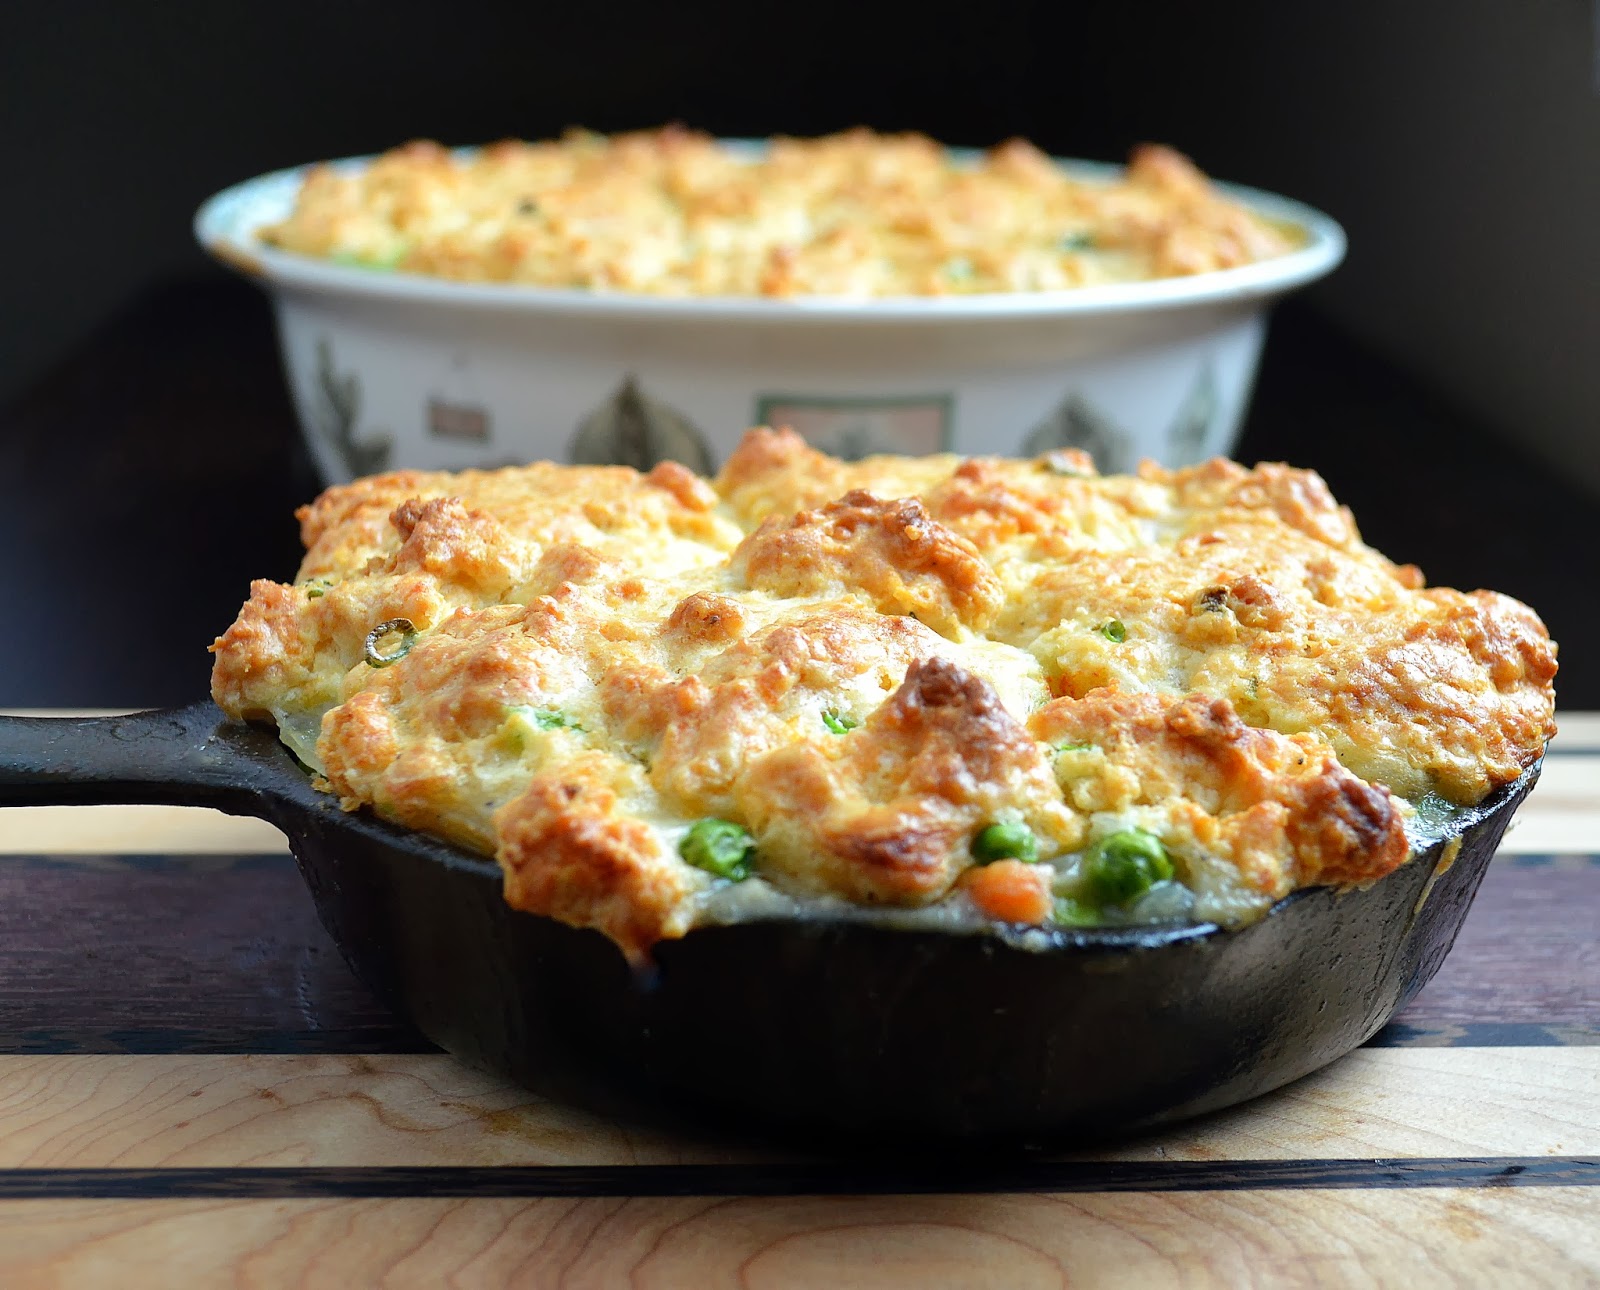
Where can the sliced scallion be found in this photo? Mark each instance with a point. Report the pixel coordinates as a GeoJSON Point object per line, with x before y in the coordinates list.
{"type": "Point", "coordinates": [547, 718]}
{"type": "Point", "coordinates": [838, 722]}
{"type": "Point", "coordinates": [377, 655]}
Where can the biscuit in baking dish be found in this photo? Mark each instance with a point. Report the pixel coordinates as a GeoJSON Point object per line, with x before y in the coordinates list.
{"type": "Point", "coordinates": [859, 214]}
{"type": "Point", "coordinates": [965, 689]}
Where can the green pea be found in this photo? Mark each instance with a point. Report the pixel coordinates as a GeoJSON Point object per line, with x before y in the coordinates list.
{"type": "Point", "coordinates": [720, 847]}
{"type": "Point", "coordinates": [1074, 913]}
{"type": "Point", "coordinates": [1005, 842]}
{"type": "Point", "coordinates": [1123, 866]}
{"type": "Point", "coordinates": [1114, 631]}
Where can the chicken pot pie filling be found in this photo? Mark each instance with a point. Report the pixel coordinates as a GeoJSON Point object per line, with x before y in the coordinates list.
{"type": "Point", "coordinates": [954, 692]}
{"type": "Point", "coordinates": [675, 213]}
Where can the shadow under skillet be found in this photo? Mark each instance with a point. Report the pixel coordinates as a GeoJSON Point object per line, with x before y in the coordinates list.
{"type": "Point", "coordinates": [149, 477]}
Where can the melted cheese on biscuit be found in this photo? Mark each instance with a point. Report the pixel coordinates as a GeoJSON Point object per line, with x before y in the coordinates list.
{"type": "Point", "coordinates": [867, 664]}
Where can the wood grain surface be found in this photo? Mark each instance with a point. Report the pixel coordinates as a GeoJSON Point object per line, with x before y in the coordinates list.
{"type": "Point", "coordinates": [1544, 1237]}
{"type": "Point", "coordinates": [145, 1112]}
{"type": "Point", "coordinates": [1578, 731]}
{"type": "Point", "coordinates": [1559, 816]}
{"type": "Point", "coordinates": [133, 830]}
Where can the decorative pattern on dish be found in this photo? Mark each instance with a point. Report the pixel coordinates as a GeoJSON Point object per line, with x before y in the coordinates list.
{"type": "Point", "coordinates": [859, 214]}
{"type": "Point", "coordinates": [1077, 423]}
{"type": "Point", "coordinates": [853, 427]}
{"type": "Point", "coordinates": [632, 429]}
{"type": "Point", "coordinates": [336, 411]}
{"type": "Point", "coordinates": [983, 689]}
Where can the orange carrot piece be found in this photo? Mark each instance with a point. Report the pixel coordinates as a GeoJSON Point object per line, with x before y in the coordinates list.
{"type": "Point", "coordinates": [1010, 891]}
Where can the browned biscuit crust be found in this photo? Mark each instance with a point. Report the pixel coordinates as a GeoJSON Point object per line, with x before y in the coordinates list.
{"type": "Point", "coordinates": [890, 552]}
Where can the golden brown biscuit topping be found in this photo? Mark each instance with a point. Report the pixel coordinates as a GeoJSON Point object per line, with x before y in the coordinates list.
{"type": "Point", "coordinates": [662, 702]}
{"type": "Point", "coordinates": [672, 212]}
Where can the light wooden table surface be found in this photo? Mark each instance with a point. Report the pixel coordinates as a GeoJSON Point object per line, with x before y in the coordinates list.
{"type": "Point", "coordinates": [195, 1091]}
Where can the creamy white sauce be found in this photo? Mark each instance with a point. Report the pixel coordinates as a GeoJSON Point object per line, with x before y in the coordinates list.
{"type": "Point", "coordinates": [299, 730]}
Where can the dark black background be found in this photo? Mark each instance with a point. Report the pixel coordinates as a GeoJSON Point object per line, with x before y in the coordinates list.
{"type": "Point", "coordinates": [122, 117]}
{"type": "Point", "coordinates": [148, 461]}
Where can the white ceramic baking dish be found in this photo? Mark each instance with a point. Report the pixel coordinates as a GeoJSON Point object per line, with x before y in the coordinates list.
{"type": "Point", "coordinates": [395, 369]}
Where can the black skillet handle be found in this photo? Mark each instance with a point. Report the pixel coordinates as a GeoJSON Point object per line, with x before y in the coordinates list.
{"type": "Point", "coordinates": [193, 756]}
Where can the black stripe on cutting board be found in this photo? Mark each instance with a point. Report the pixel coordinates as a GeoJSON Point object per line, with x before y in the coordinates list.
{"type": "Point", "coordinates": [795, 1180]}
{"type": "Point", "coordinates": [1572, 860]}
{"type": "Point", "coordinates": [1484, 1034]}
{"type": "Point", "coordinates": [396, 1038]}
{"type": "Point", "coordinates": [151, 862]}
{"type": "Point", "coordinates": [401, 1039]}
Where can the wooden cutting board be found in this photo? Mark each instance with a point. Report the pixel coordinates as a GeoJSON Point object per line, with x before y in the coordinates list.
{"type": "Point", "coordinates": [195, 1090]}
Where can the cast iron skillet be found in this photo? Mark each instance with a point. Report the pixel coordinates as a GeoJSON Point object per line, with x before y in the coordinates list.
{"type": "Point", "coordinates": [839, 1029]}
